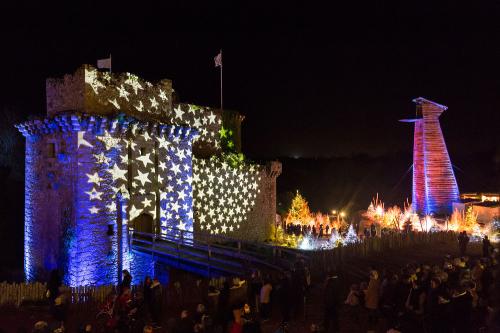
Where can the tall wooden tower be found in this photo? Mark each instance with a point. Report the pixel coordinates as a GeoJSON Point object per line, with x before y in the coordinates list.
{"type": "Point", "coordinates": [434, 185]}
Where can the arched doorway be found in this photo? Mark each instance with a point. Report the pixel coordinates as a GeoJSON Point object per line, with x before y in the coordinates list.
{"type": "Point", "coordinates": [143, 223]}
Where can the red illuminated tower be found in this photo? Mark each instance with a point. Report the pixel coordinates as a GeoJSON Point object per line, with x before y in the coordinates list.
{"type": "Point", "coordinates": [434, 185]}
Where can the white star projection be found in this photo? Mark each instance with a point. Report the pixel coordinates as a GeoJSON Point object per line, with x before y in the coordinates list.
{"type": "Point", "coordinates": [94, 178]}
{"type": "Point", "coordinates": [117, 173]}
{"type": "Point", "coordinates": [102, 159]}
{"type": "Point", "coordinates": [178, 113]}
{"type": "Point", "coordinates": [129, 92]}
{"type": "Point", "coordinates": [114, 102]}
{"type": "Point", "coordinates": [92, 79]}
{"type": "Point", "coordinates": [82, 141]}
{"type": "Point", "coordinates": [133, 81]}
{"type": "Point", "coordinates": [175, 173]}
{"type": "Point", "coordinates": [206, 121]}
{"type": "Point", "coordinates": [115, 166]}
{"type": "Point", "coordinates": [109, 141]}
{"type": "Point", "coordinates": [123, 92]}
{"type": "Point", "coordinates": [142, 177]}
{"type": "Point", "coordinates": [223, 195]}
{"type": "Point", "coordinates": [162, 95]}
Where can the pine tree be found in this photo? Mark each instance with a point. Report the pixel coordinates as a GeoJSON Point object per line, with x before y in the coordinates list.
{"type": "Point", "coordinates": [299, 211]}
{"type": "Point", "coordinates": [335, 238]}
{"type": "Point", "coordinates": [470, 219]}
{"type": "Point", "coordinates": [351, 236]}
{"type": "Point", "coordinates": [279, 235]}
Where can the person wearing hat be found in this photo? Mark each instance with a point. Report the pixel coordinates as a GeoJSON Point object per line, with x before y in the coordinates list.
{"type": "Point", "coordinates": [461, 309]}
{"type": "Point", "coordinates": [41, 327]}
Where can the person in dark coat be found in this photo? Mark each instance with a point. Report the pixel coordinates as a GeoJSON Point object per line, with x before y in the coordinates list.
{"type": "Point", "coordinates": [185, 324]}
{"type": "Point", "coordinates": [486, 247]}
{"type": "Point", "coordinates": [331, 302]}
{"type": "Point", "coordinates": [146, 289]}
{"type": "Point", "coordinates": [224, 314]}
{"type": "Point", "coordinates": [373, 230]}
{"type": "Point", "coordinates": [156, 301]}
{"type": "Point", "coordinates": [255, 285]}
{"type": "Point", "coordinates": [53, 286]}
{"type": "Point", "coordinates": [283, 296]}
{"type": "Point", "coordinates": [320, 231]}
{"type": "Point", "coordinates": [298, 287]}
{"type": "Point", "coordinates": [437, 304]}
{"type": "Point", "coordinates": [126, 281]}
{"type": "Point", "coordinates": [461, 310]}
{"type": "Point", "coordinates": [463, 240]}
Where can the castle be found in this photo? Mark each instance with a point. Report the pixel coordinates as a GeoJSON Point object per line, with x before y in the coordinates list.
{"type": "Point", "coordinates": [116, 153]}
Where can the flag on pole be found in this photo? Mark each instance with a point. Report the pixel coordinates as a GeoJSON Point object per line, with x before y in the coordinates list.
{"type": "Point", "coordinates": [218, 60]}
{"type": "Point", "coordinates": [218, 63]}
{"type": "Point", "coordinates": [104, 63]}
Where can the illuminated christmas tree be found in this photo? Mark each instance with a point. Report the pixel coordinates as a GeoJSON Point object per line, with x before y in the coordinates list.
{"type": "Point", "coordinates": [299, 211]}
{"type": "Point", "coordinates": [277, 234]}
{"type": "Point", "coordinates": [470, 219]}
{"type": "Point", "coordinates": [335, 238]}
{"type": "Point", "coordinates": [351, 236]}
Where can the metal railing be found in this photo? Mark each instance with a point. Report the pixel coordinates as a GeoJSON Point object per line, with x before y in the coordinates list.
{"type": "Point", "coordinates": [214, 251]}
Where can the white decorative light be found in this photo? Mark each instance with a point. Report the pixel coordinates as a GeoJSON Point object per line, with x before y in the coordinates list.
{"type": "Point", "coordinates": [82, 141]}
{"type": "Point", "coordinates": [220, 193]}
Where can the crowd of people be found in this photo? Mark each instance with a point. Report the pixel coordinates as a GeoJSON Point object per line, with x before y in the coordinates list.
{"type": "Point", "coordinates": [453, 296]}
{"type": "Point", "coordinates": [238, 306]}
{"type": "Point", "coordinates": [456, 296]}
{"type": "Point", "coordinates": [317, 231]}
{"type": "Point", "coordinates": [326, 230]}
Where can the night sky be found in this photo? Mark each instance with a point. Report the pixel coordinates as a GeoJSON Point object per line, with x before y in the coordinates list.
{"type": "Point", "coordinates": [312, 81]}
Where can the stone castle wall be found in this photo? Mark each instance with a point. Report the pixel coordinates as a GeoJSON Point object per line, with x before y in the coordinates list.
{"type": "Point", "coordinates": [49, 191]}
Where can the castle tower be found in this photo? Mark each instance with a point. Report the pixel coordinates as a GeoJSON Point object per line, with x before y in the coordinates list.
{"type": "Point", "coordinates": [434, 185]}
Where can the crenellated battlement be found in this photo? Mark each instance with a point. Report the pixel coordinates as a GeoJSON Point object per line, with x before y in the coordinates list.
{"type": "Point", "coordinates": [101, 124]}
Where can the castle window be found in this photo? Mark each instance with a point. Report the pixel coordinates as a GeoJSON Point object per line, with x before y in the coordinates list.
{"type": "Point", "coordinates": [143, 151]}
{"type": "Point", "coordinates": [51, 150]}
{"type": "Point", "coordinates": [111, 230]}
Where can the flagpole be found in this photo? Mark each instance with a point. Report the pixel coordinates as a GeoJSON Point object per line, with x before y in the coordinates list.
{"type": "Point", "coordinates": [221, 104]}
